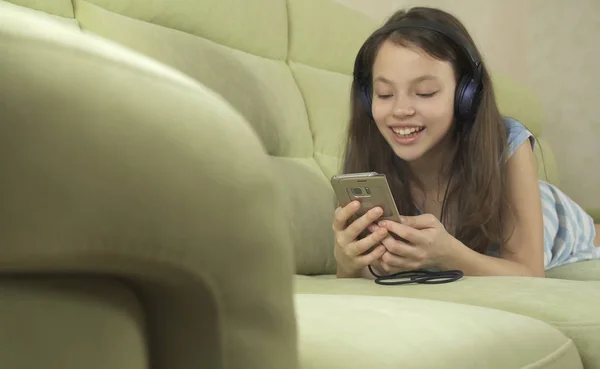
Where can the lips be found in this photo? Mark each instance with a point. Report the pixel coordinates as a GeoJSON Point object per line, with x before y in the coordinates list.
{"type": "Point", "coordinates": [407, 134]}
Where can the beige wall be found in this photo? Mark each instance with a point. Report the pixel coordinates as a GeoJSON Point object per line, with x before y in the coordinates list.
{"type": "Point", "coordinates": [551, 45]}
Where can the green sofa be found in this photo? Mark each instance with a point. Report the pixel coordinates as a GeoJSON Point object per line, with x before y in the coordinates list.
{"type": "Point", "coordinates": [166, 203]}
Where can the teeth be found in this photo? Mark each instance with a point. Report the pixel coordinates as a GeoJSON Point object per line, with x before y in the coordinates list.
{"type": "Point", "coordinates": [406, 131]}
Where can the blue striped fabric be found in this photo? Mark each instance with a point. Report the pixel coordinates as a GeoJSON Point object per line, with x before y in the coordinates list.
{"type": "Point", "coordinates": [569, 231]}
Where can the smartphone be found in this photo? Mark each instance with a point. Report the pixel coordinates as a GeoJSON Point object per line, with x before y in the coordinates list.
{"type": "Point", "coordinates": [371, 189]}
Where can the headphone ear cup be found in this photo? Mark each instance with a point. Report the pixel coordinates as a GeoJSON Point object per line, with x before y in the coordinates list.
{"type": "Point", "coordinates": [466, 98]}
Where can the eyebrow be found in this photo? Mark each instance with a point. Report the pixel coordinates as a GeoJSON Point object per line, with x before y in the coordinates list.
{"type": "Point", "coordinates": [422, 78]}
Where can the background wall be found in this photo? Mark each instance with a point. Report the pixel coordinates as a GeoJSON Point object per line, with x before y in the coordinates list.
{"type": "Point", "coordinates": [551, 46]}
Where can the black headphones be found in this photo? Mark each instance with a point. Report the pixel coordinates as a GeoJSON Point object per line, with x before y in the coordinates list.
{"type": "Point", "coordinates": [469, 85]}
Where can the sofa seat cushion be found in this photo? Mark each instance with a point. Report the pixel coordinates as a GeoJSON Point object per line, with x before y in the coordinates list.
{"type": "Point", "coordinates": [571, 306]}
{"type": "Point", "coordinates": [351, 331]}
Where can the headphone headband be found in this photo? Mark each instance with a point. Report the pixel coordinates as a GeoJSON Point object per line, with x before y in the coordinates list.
{"type": "Point", "coordinates": [456, 37]}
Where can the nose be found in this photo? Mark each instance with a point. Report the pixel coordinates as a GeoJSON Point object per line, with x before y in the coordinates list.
{"type": "Point", "coordinates": [403, 107]}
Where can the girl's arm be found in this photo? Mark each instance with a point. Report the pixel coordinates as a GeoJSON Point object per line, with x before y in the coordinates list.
{"type": "Point", "coordinates": [523, 253]}
{"type": "Point", "coordinates": [473, 263]}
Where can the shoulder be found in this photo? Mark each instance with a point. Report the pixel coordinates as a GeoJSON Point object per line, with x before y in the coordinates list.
{"type": "Point", "coordinates": [517, 134]}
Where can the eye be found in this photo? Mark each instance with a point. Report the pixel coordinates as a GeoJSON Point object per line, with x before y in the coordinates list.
{"type": "Point", "coordinates": [427, 95]}
{"type": "Point", "coordinates": [383, 97]}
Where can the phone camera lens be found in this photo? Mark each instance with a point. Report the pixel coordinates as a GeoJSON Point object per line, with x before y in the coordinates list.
{"type": "Point", "coordinates": [357, 191]}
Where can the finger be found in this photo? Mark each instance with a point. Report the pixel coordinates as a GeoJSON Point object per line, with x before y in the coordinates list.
{"type": "Point", "coordinates": [391, 261]}
{"type": "Point", "coordinates": [373, 228]}
{"type": "Point", "coordinates": [403, 250]}
{"type": "Point", "coordinates": [371, 257]}
{"type": "Point", "coordinates": [422, 221]}
{"type": "Point", "coordinates": [378, 267]}
{"type": "Point", "coordinates": [388, 269]}
{"type": "Point", "coordinates": [363, 245]}
{"type": "Point", "coordinates": [362, 223]}
{"type": "Point", "coordinates": [343, 214]}
{"type": "Point", "coordinates": [410, 234]}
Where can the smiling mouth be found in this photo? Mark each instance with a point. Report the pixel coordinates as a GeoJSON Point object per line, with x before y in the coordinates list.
{"type": "Point", "coordinates": [407, 132]}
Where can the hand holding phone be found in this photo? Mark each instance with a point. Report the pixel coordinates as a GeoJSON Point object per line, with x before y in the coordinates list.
{"type": "Point", "coordinates": [364, 199]}
{"type": "Point", "coordinates": [352, 253]}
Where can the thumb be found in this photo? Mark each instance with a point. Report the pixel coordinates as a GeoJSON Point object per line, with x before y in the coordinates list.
{"type": "Point", "coordinates": [420, 221]}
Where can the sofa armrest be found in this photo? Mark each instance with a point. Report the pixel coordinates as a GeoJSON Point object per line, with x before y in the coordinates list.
{"type": "Point", "coordinates": [117, 166]}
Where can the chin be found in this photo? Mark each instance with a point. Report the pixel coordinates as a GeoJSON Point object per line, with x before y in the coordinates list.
{"type": "Point", "coordinates": [417, 149]}
{"type": "Point", "coordinates": [408, 154]}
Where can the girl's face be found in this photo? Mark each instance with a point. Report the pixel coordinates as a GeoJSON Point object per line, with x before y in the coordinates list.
{"type": "Point", "coordinates": [413, 101]}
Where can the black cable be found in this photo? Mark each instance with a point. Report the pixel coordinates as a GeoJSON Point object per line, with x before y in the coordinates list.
{"type": "Point", "coordinates": [417, 276]}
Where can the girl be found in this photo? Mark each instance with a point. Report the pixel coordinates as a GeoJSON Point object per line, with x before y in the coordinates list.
{"type": "Point", "coordinates": [424, 114]}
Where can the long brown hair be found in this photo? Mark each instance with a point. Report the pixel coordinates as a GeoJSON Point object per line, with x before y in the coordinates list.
{"type": "Point", "coordinates": [475, 207]}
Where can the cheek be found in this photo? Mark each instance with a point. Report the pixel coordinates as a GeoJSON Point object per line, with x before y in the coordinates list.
{"type": "Point", "coordinates": [380, 109]}
{"type": "Point", "coordinates": [438, 111]}
{"type": "Point", "coordinates": [380, 113]}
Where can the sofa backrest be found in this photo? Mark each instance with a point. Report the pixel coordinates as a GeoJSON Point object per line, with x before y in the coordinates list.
{"type": "Point", "coordinates": [286, 66]}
